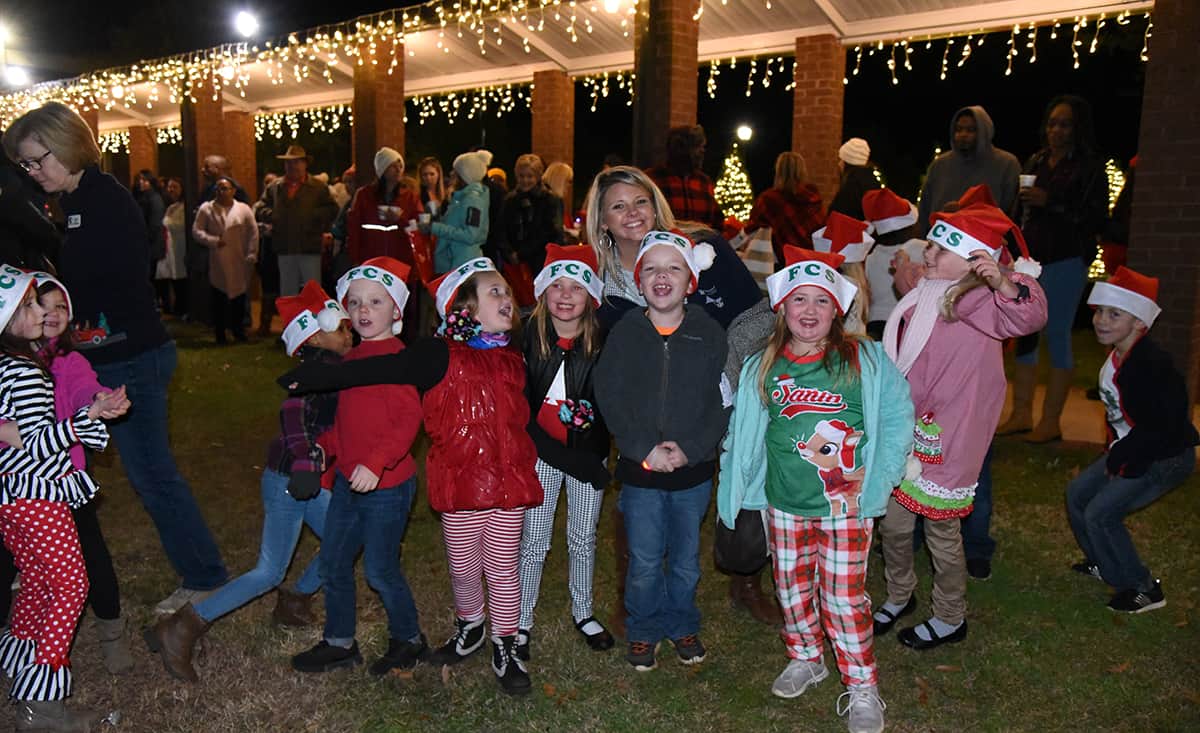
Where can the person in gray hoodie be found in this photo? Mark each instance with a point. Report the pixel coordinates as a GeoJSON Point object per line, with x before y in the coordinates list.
{"type": "Point", "coordinates": [971, 160]}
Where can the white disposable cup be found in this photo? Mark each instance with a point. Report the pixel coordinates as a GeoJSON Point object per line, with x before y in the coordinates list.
{"type": "Point", "coordinates": [1027, 180]}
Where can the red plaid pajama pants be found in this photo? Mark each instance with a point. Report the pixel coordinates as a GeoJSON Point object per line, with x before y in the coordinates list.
{"type": "Point", "coordinates": [829, 554]}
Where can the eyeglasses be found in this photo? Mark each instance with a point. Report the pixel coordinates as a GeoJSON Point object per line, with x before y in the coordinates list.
{"type": "Point", "coordinates": [35, 164]}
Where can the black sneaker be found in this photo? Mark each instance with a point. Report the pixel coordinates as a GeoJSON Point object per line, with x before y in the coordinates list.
{"type": "Point", "coordinates": [689, 649]}
{"type": "Point", "coordinates": [523, 638]}
{"type": "Point", "coordinates": [979, 568]}
{"type": "Point", "coordinates": [1087, 567]}
{"type": "Point", "coordinates": [510, 670]}
{"type": "Point", "coordinates": [325, 657]}
{"type": "Point", "coordinates": [1137, 601]}
{"type": "Point", "coordinates": [400, 655]}
{"type": "Point", "coordinates": [641, 655]}
{"type": "Point", "coordinates": [467, 640]}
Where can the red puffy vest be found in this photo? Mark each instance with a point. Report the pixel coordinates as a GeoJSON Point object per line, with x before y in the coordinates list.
{"type": "Point", "coordinates": [481, 457]}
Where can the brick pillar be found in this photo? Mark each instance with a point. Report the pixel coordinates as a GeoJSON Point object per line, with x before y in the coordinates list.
{"type": "Point", "coordinates": [1166, 210]}
{"type": "Point", "coordinates": [239, 150]}
{"type": "Point", "coordinates": [665, 60]}
{"type": "Point", "coordinates": [817, 108]}
{"type": "Point", "coordinates": [554, 118]}
{"type": "Point", "coordinates": [378, 109]}
{"type": "Point", "coordinates": [143, 150]}
{"type": "Point", "coordinates": [201, 123]}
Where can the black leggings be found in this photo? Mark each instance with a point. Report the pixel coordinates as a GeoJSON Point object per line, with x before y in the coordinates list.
{"type": "Point", "coordinates": [103, 594]}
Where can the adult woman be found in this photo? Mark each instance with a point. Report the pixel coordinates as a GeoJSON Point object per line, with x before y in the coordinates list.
{"type": "Point", "coordinates": [857, 177]}
{"type": "Point", "coordinates": [791, 208]}
{"type": "Point", "coordinates": [148, 195]}
{"type": "Point", "coordinates": [558, 178]}
{"type": "Point", "coordinates": [1061, 214]}
{"type": "Point", "coordinates": [227, 227]}
{"type": "Point", "coordinates": [170, 273]}
{"type": "Point", "coordinates": [531, 216]}
{"type": "Point", "coordinates": [104, 263]}
{"type": "Point", "coordinates": [433, 186]}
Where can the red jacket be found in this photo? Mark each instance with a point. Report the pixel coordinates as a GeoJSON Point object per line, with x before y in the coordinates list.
{"type": "Point", "coordinates": [370, 235]}
{"type": "Point", "coordinates": [480, 457]}
{"type": "Point", "coordinates": [374, 426]}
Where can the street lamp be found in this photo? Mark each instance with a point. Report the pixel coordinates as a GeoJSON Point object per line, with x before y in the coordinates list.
{"type": "Point", "coordinates": [15, 76]}
{"type": "Point", "coordinates": [744, 133]}
{"type": "Point", "coordinates": [245, 23]}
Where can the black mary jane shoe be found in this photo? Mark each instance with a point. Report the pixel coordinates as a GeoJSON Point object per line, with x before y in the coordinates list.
{"type": "Point", "coordinates": [599, 641]}
{"type": "Point", "coordinates": [908, 637]}
{"type": "Point", "coordinates": [882, 627]}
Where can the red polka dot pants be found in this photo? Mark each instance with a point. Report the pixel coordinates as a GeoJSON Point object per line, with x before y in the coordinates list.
{"type": "Point", "coordinates": [45, 546]}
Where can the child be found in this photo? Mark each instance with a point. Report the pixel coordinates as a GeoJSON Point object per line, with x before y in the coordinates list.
{"type": "Point", "coordinates": [950, 350]}
{"type": "Point", "coordinates": [315, 329]}
{"type": "Point", "coordinates": [851, 239]}
{"type": "Point", "coordinates": [480, 466]}
{"type": "Point", "coordinates": [819, 436]}
{"type": "Point", "coordinates": [659, 384]}
{"type": "Point", "coordinates": [370, 449]}
{"type": "Point", "coordinates": [1151, 440]}
{"type": "Point", "coordinates": [38, 485]}
{"type": "Point", "coordinates": [562, 344]}
{"type": "Point", "coordinates": [894, 221]}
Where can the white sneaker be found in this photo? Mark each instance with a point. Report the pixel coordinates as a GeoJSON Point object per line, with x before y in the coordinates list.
{"type": "Point", "coordinates": [180, 598]}
{"type": "Point", "coordinates": [797, 677]}
{"type": "Point", "coordinates": [865, 708]}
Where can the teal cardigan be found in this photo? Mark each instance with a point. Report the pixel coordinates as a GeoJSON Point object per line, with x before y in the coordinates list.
{"type": "Point", "coordinates": [888, 425]}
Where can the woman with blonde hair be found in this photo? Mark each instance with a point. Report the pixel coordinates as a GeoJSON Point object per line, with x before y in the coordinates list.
{"type": "Point", "coordinates": [792, 208]}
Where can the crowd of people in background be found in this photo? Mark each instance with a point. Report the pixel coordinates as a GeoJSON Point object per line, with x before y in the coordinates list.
{"type": "Point", "coordinates": [861, 391]}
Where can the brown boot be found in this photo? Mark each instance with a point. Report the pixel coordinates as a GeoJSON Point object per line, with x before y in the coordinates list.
{"type": "Point", "coordinates": [745, 592]}
{"type": "Point", "coordinates": [1021, 419]}
{"type": "Point", "coordinates": [174, 637]}
{"type": "Point", "coordinates": [114, 649]}
{"type": "Point", "coordinates": [1048, 428]}
{"type": "Point", "coordinates": [52, 716]}
{"type": "Point", "coordinates": [292, 608]}
{"type": "Point", "coordinates": [616, 622]}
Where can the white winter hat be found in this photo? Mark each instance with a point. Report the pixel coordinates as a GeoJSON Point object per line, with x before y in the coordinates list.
{"type": "Point", "coordinates": [472, 167]}
{"type": "Point", "coordinates": [855, 151]}
{"type": "Point", "coordinates": [697, 256]}
{"type": "Point", "coordinates": [384, 159]}
{"type": "Point", "coordinates": [41, 278]}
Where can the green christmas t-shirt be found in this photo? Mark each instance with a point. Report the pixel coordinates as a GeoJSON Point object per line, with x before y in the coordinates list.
{"type": "Point", "coordinates": [814, 438]}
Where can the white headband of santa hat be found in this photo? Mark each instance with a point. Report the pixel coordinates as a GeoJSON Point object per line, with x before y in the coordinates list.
{"type": "Point", "coordinates": [577, 262]}
{"type": "Point", "coordinates": [389, 272]}
{"type": "Point", "coordinates": [697, 256]}
{"type": "Point", "coordinates": [844, 235]}
{"type": "Point", "coordinates": [446, 287]}
{"type": "Point", "coordinates": [807, 267]}
{"type": "Point", "coordinates": [887, 210]}
{"type": "Point", "coordinates": [980, 226]}
{"type": "Point", "coordinates": [14, 283]}
{"type": "Point", "coordinates": [306, 314]}
{"type": "Point", "coordinates": [1130, 291]}
{"type": "Point", "coordinates": [42, 278]}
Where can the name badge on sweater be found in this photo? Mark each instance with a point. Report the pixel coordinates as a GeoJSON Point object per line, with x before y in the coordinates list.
{"type": "Point", "coordinates": [74, 221]}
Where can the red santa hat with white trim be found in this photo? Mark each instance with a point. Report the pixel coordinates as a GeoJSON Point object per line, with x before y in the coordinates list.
{"type": "Point", "coordinates": [844, 235]}
{"type": "Point", "coordinates": [577, 262]}
{"type": "Point", "coordinates": [980, 226]}
{"type": "Point", "coordinates": [14, 283]}
{"type": "Point", "coordinates": [888, 211]}
{"type": "Point", "coordinates": [389, 272]}
{"type": "Point", "coordinates": [1132, 292]}
{"type": "Point", "coordinates": [980, 193]}
{"type": "Point", "coordinates": [41, 278]}
{"type": "Point", "coordinates": [699, 257]}
{"type": "Point", "coordinates": [307, 314]}
{"type": "Point", "coordinates": [444, 288]}
{"type": "Point", "coordinates": [842, 434]}
{"type": "Point", "coordinates": [808, 267]}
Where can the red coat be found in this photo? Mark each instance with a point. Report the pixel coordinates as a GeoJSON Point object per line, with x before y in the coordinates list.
{"type": "Point", "coordinates": [370, 235]}
{"type": "Point", "coordinates": [481, 457]}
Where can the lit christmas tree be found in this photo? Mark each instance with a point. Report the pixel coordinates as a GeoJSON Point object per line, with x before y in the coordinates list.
{"type": "Point", "coordinates": [732, 189]}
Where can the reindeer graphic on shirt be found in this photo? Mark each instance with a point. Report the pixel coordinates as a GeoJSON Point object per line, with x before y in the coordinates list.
{"type": "Point", "coordinates": [831, 449]}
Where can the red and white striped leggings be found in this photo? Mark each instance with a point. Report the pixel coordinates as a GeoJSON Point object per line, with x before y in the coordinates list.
{"type": "Point", "coordinates": [487, 543]}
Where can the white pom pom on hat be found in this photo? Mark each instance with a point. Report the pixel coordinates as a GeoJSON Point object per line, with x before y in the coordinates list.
{"type": "Point", "coordinates": [699, 257]}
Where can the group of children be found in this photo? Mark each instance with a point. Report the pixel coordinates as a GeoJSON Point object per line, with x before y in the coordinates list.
{"type": "Point", "coordinates": [829, 432]}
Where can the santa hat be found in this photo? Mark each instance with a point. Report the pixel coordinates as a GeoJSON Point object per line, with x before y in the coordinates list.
{"type": "Point", "coordinates": [839, 432]}
{"type": "Point", "coordinates": [384, 159]}
{"type": "Point", "coordinates": [980, 226]}
{"type": "Point", "coordinates": [306, 314]}
{"type": "Point", "coordinates": [445, 288]}
{"type": "Point", "coordinates": [978, 194]}
{"type": "Point", "coordinates": [697, 256]}
{"type": "Point", "coordinates": [855, 151]}
{"type": "Point", "coordinates": [14, 284]}
{"type": "Point", "coordinates": [808, 267]}
{"type": "Point", "coordinates": [577, 262]}
{"type": "Point", "coordinates": [471, 167]}
{"type": "Point", "coordinates": [844, 235]}
{"type": "Point", "coordinates": [1130, 291]}
{"type": "Point", "coordinates": [888, 211]}
{"type": "Point", "coordinates": [41, 278]}
{"type": "Point", "coordinates": [389, 272]}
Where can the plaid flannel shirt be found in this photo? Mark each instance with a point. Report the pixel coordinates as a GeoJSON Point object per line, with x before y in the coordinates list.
{"type": "Point", "coordinates": [690, 197]}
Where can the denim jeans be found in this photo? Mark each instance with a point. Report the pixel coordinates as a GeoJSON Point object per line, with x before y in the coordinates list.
{"type": "Point", "coordinates": [664, 560]}
{"type": "Point", "coordinates": [373, 522]}
{"type": "Point", "coordinates": [977, 539]}
{"type": "Point", "coordinates": [1063, 283]}
{"type": "Point", "coordinates": [283, 518]}
{"type": "Point", "coordinates": [1097, 505]}
{"type": "Point", "coordinates": [145, 449]}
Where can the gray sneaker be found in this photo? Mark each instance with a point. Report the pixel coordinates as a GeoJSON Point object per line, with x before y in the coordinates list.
{"type": "Point", "coordinates": [865, 709]}
{"type": "Point", "coordinates": [797, 677]}
{"type": "Point", "coordinates": [180, 598]}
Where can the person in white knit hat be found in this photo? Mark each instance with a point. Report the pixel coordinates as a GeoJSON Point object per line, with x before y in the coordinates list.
{"type": "Point", "coordinates": [857, 177]}
{"type": "Point", "coordinates": [463, 230]}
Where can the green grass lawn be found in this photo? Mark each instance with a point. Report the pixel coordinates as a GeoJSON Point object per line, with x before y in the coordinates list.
{"type": "Point", "coordinates": [1043, 651]}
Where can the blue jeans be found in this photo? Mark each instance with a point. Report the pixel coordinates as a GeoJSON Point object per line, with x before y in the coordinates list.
{"type": "Point", "coordinates": [283, 518]}
{"type": "Point", "coordinates": [664, 560]}
{"type": "Point", "coordinates": [1098, 503]}
{"type": "Point", "coordinates": [977, 539]}
{"type": "Point", "coordinates": [1063, 283]}
{"type": "Point", "coordinates": [373, 522]}
{"type": "Point", "coordinates": [145, 449]}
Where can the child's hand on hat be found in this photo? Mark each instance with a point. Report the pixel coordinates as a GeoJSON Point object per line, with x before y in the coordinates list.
{"type": "Point", "coordinates": [363, 480]}
{"type": "Point", "coordinates": [986, 268]}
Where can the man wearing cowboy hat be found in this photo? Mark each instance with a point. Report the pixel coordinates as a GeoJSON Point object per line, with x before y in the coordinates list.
{"type": "Point", "coordinates": [301, 213]}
